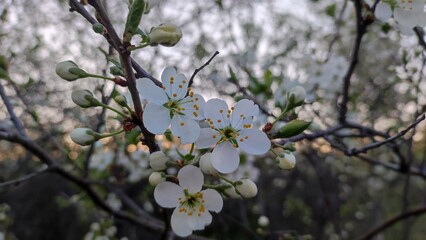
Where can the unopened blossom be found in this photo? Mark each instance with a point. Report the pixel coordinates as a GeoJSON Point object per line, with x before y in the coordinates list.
{"type": "Point", "coordinates": [229, 130]}
{"type": "Point", "coordinates": [70, 71]}
{"type": "Point", "coordinates": [192, 205]}
{"type": "Point", "coordinates": [286, 160]}
{"type": "Point", "coordinates": [247, 188]}
{"type": "Point", "coordinates": [206, 164]}
{"type": "Point", "coordinates": [84, 136]}
{"type": "Point", "coordinates": [84, 98]}
{"type": "Point", "coordinates": [156, 178]}
{"type": "Point", "coordinates": [158, 160]}
{"type": "Point", "coordinates": [174, 104]}
{"type": "Point", "coordinates": [165, 34]}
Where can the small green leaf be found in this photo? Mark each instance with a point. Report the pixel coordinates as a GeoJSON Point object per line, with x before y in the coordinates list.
{"type": "Point", "coordinates": [134, 18]}
{"type": "Point", "coordinates": [293, 128]}
{"type": "Point", "coordinates": [330, 10]}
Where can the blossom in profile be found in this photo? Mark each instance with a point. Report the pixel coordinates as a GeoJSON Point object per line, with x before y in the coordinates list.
{"type": "Point", "coordinates": [174, 105]}
{"type": "Point", "coordinates": [229, 130]}
{"type": "Point", "coordinates": [192, 205]}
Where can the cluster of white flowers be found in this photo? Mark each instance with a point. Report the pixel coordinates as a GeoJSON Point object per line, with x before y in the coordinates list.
{"type": "Point", "coordinates": [407, 13]}
{"type": "Point", "coordinates": [210, 124]}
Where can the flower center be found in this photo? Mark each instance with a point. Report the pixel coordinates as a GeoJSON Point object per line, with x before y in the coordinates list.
{"type": "Point", "coordinates": [192, 204]}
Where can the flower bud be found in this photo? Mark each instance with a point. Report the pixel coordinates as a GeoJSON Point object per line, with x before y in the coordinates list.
{"type": "Point", "coordinates": [84, 136]}
{"type": "Point", "coordinates": [84, 98]}
{"type": "Point", "coordinates": [206, 164]}
{"type": "Point", "coordinates": [286, 160]}
{"type": "Point", "coordinates": [121, 100]}
{"type": "Point", "coordinates": [98, 28]}
{"type": "Point", "coordinates": [247, 188]}
{"type": "Point", "coordinates": [263, 221]}
{"type": "Point", "coordinates": [296, 96]}
{"type": "Point", "coordinates": [165, 34]}
{"type": "Point", "coordinates": [156, 178]}
{"type": "Point", "coordinates": [158, 160]}
{"type": "Point", "coordinates": [70, 71]}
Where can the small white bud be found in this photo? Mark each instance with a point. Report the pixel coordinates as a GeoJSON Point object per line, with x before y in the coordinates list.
{"type": "Point", "coordinates": [206, 164]}
{"type": "Point", "coordinates": [69, 71]}
{"type": "Point", "coordinates": [247, 188]}
{"type": "Point", "coordinates": [165, 34]}
{"type": "Point", "coordinates": [84, 136]}
{"type": "Point", "coordinates": [296, 96]}
{"type": "Point", "coordinates": [286, 160]}
{"type": "Point", "coordinates": [158, 160]}
{"type": "Point", "coordinates": [263, 221]}
{"type": "Point", "coordinates": [84, 98]}
{"type": "Point", "coordinates": [156, 178]}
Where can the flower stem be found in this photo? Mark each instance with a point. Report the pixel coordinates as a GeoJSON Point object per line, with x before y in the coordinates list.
{"type": "Point", "coordinates": [105, 135]}
{"type": "Point", "coordinates": [132, 48]}
{"type": "Point", "coordinates": [114, 110]}
{"type": "Point", "coordinates": [286, 109]}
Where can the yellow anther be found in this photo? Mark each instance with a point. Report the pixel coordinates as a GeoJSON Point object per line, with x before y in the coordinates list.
{"type": "Point", "coordinates": [174, 95]}
{"type": "Point", "coordinates": [214, 136]}
{"type": "Point", "coordinates": [182, 123]}
{"type": "Point", "coordinates": [221, 110]}
{"type": "Point", "coordinates": [219, 120]}
{"type": "Point", "coordinates": [180, 86]}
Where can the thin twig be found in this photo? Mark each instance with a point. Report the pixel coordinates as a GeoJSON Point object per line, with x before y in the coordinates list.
{"type": "Point", "coordinates": [191, 80]}
{"type": "Point", "coordinates": [16, 121]}
{"type": "Point", "coordinates": [23, 179]}
{"type": "Point", "coordinates": [413, 213]}
{"type": "Point", "coordinates": [364, 149]}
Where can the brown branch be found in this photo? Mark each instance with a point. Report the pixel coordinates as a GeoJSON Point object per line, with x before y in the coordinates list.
{"type": "Point", "coordinates": [413, 213]}
{"type": "Point", "coordinates": [16, 121]}
{"type": "Point", "coordinates": [364, 149]}
{"type": "Point", "coordinates": [23, 179]}
{"type": "Point", "coordinates": [191, 80]}
{"type": "Point", "coordinates": [360, 31]}
{"type": "Point", "coordinates": [38, 151]}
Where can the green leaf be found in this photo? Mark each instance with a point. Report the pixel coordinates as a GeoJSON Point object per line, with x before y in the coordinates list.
{"type": "Point", "coordinates": [133, 19]}
{"type": "Point", "coordinates": [330, 10]}
{"type": "Point", "coordinates": [133, 137]}
{"type": "Point", "coordinates": [293, 128]}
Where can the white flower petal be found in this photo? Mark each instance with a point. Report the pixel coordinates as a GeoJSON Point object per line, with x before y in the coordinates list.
{"type": "Point", "coordinates": [195, 222]}
{"type": "Point", "coordinates": [167, 194]}
{"type": "Point", "coordinates": [156, 118]}
{"type": "Point", "coordinates": [168, 74]}
{"type": "Point", "coordinates": [213, 200]}
{"type": "Point", "coordinates": [409, 18]}
{"type": "Point", "coordinates": [153, 93]}
{"type": "Point", "coordinates": [186, 128]}
{"type": "Point", "coordinates": [216, 110]}
{"type": "Point", "coordinates": [225, 157]}
{"type": "Point", "coordinates": [243, 113]}
{"type": "Point", "coordinates": [179, 88]}
{"type": "Point", "coordinates": [191, 177]}
{"type": "Point", "coordinates": [179, 223]}
{"type": "Point", "coordinates": [194, 106]}
{"type": "Point", "coordinates": [254, 141]}
{"type": "Point", "coordinates": [383, 11]}
{"type": "Point", "coordinates": [208, 137]}
{"type": "Point", "coordinates": [206, 218]}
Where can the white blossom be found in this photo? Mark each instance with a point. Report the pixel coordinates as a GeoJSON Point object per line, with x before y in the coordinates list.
{"type": "Point", "coordinates": [192, 205]}
{"type": "Point", "coordinates": [229, 130]}
{"type": "Point", "coordinates": [247, 188]}
{"type": "Point", "coordinates": [173, 105]}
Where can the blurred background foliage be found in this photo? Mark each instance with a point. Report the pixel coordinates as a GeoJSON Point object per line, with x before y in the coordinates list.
{"type": "Point", "coordinates": [271, 46]}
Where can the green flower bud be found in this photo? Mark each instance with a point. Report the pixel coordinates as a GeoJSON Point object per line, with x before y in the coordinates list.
{"type": "Point", "coordinates": [84, 136]}
{"type": "Point", "coordinates": [98, 28]}
{"type": "Point", "coordinates": [296, 96]}
{"type": "Point", "coordinates": [69, 70]}
{"type": "Point", "coordinates": [84, 98]}
{"type": "Point", "coordinates": [247, 188]}
{"type": "Point", "coordinates": [121, 100]}
{"type": "Point", "coordinates": [165, 34]}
